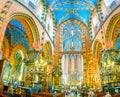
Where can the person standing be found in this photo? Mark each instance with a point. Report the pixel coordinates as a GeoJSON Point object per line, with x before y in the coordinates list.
{"type": "Point", "coordinates": [108, 95]}
{"type": "Point", "coordinates": [117, 94]}
{"type": "Point", "coordinates": [83, 92]}
{"type": "Point", "coordinates": [91, 93]}
{"type": "Point", "coordinates": [76, 92]}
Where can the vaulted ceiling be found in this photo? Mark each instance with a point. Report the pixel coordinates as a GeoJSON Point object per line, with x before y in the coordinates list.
{"type": "Point", "coordinates": [72, 9]}
{"type": "Point", "coordinates": [63, 10]}
{"type": "Point", "coordinates": [75, 9]}
{"type": "Point", "coordinates": [16, 33]}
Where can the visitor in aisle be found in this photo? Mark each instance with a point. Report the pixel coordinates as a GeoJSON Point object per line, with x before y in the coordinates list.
{"type": "Point", "coordinates": [108, 94]}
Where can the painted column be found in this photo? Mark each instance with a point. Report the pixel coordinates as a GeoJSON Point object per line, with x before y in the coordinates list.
{"type": "Point", "coordinates": [72, 63]}
{"type": "Point", "coordinates": [87, 55]}
{"type": "Point", "coordinates": [66, 67]}
{"type": "Point", "coordinates": [4, 12]}
{"type": "Point", "coordinates": [63, 68]}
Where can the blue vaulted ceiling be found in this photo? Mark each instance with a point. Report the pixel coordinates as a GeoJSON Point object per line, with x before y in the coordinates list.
{"type": "Point", "coordinates": [72, 9]}
{"type": "Point", "coordinates": [16, 33]}
{"type": "Point", "coordinates": [63, 10]}
{"type": "Point", "coordinates": [75, 9]}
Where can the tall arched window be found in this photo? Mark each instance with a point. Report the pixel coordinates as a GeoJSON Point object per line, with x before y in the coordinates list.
{"type": "Point", "coordinates": [108, 2]}
{"type": "Point", "coordinates": [49, 24]}
{"type": "Point", "coordinates": [94, 20]}
{"type": "Point", "coordinates": [39, 10]}
{"type": "Point", "coordinates": [96, 23]}
{"type": "Point", "coordinates": [34, 1]}
{"type": "Point", "coordinates": [104, 10]}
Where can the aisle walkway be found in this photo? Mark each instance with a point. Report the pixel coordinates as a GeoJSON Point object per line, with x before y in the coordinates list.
{"type": "Point", "coordinates": [72, 95]}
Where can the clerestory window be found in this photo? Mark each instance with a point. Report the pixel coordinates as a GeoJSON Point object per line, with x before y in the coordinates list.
{"type": "Point", "coordinates": [34, 1]}
{"type": "Point", "coordinates": [108, 2]}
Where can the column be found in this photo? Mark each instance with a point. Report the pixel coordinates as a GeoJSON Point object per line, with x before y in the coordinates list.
{"type": "Point", "coordinates": [72, 63]}
{"type": "Point", "coordinates": [66, 66]}
{"type": "Point", "coordinates": [4, 19]}
{"type": "Point", "coordinates": [63, 68]}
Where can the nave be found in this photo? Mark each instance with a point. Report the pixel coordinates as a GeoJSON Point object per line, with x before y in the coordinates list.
{"type": "Point", "coordinates": [60, 48]}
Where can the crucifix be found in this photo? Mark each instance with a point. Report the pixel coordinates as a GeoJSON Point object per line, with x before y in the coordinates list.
{"type": "Point", "coordinates": [72, 48]}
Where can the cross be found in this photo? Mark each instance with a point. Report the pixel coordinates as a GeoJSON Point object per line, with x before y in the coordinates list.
{"type": "Point", "coordinates": [72, 48]}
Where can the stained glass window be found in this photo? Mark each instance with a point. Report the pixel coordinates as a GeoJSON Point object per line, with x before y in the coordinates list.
{"type": "Point", "coordinates": [34, 1]}
{"type": "Point", "coordinates": [95, 20]}
{"type": "Point", "coordinates": [95, 23]}
{"type": "Point", "coordinates": [104, 10]}
{"type": "Point", "coordinates": [108, 2]}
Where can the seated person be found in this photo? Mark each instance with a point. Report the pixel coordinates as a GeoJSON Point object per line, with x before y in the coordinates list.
{"type": "Point", "coordinates": [117, 93]}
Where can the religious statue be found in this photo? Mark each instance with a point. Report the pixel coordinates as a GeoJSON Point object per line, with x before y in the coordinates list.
{"type": "Point", "coordinates": [28, 79]}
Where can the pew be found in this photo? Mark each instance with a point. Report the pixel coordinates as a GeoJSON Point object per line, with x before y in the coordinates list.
{"type": "Point", "coordinates": [3, 95]}
{"type": "Point", "coordinates": [46, 94]}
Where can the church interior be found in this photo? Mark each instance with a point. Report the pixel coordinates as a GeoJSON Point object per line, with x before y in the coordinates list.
{"type": "Point", "coordinates": [59, 48]}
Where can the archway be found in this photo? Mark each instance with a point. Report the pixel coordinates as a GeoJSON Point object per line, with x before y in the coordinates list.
{"type": "Point", "coordinates": [110, 59]}
{"type": "Point", "coordinates": [14, 72]}
{"type": "Point", "coordinates": [72, 54]}
{"type": "Point", "coordinates": [113, 29]}
{"type": "Point", "coordinates": [30, 26]}
{"type": "Point", "coordinates": [85, 46]}
{"type": "Point", "coordinates": [94, 76]}
{"type": "Point", "coordinates": [97, 50]}
{"type": "Point", "coordinates": [20, 35]}
{"type": "Point", "coordinates": [58, 40]}
{"type": "Point", "coordinates": [20, 28]}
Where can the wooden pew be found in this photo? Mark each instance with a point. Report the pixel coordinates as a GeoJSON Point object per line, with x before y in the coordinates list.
{"type": "Point", "coordinates": [3, 95]}
{"type": "Point", "coordinates": [46, 94]}
{"type": "Point", "coordinates": [102, 94]}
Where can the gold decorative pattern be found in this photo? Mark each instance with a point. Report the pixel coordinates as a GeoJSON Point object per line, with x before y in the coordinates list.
{"type": "Point", "coordinates": [29, 24]}
{"type": "Point", "coordinates": [113, 27]}
{"type": "Point", "coordinates": [15, 48]}
{"type": "Point", "coordinates": [6, 50]}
